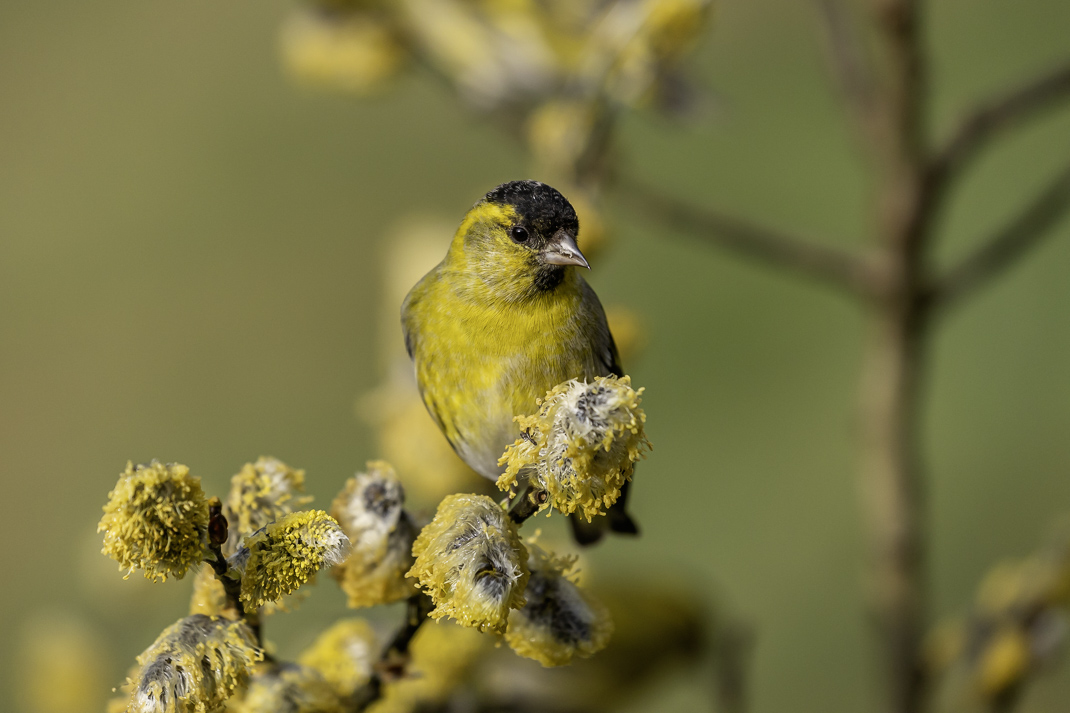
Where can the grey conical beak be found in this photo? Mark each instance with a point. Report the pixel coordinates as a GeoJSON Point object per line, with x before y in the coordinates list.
{"type": "Point", "coordinates": [562, 250]}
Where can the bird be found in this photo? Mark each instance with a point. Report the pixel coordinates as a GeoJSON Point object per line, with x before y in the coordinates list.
{"type": "Point", "coordinates": [504, 318]}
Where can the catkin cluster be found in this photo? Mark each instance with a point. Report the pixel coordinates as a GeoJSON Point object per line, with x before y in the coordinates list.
{"type": "Point", "coordinates": [259, 494]}
{"type": "Point", "coordinates": [471, 562]}
{"type": "Point", "coordinates": [194, 666]}
{"type": "Point", "coordinates": [581, 446]}
{"type": "Point", "coordinates": [370, 510]}
{"type": "Point", "coordinates": [560, 620]}
{"type": "Point", "coordinates": [279, 558]}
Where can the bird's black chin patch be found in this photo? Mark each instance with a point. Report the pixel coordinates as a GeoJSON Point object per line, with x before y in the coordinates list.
{"type": "Point", "coordinates": [547, 277]}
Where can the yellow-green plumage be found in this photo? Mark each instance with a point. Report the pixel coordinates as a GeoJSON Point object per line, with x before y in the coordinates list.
{"type": "Point", "coordinates": [495, 325]}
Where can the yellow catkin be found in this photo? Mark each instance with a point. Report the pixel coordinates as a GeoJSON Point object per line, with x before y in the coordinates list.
{"type": "Point", "coordinates": [259, 494]}
{"type": "Point", "coordinates": [471, 562]}
{"type": "Point", "coordinates": [348, 51]}
{"type": "Point", "coordinates": [1004, 661]}
{"type": "Point", "coordinates": [371, 511]}
{"type": "Point", "coordinates": [208, 595]}
{"type": "Point", "coordinates": [288, 688]}
{"type": "Point", "coordinates": [581, 446]}
{"type": "Point", "coordinates": [628, 329]}
{"type": "Point", "coordinates": [560, 620]}
{"type": "Point", "coordinates": [344, 655]}
{"type": "Point", "coordinates": [156, 520]}
{"type": "Point", "coordinates": [278, 559]}
{"type": "Point", "coordinates": [57, 663]}
{"type": "Point", "coordinates": [559, 133]}
{"type": "Point", "coordinates": [194, 666]}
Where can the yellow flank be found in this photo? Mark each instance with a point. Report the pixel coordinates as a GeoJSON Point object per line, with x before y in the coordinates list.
{"type": "Point", "coordinates": [488, 341]}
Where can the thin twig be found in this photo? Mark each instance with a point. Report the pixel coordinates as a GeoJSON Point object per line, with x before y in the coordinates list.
{"type": "Point", "coordinates": [732, 660]}
{"type": "Point", "coordinates": [849, 63]}
{"type": "Point", "coordinates": [1026, 230]}
{"type": "Point", "coordinates": [217, 535]}
{"type": "Point", "coordinates": [395, 657]}
{"type": "Point", "coordinates": [996, 115]}
{"type": "Point", "coordinates": [830, 265]}
{"type": "Point", "coordinates": [231, 586]}
{"type": "Point", "coordinates": [527, 501]}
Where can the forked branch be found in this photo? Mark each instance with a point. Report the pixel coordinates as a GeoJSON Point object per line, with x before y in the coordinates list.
{"type": "Point", "coordinates": [997, 115]}
{"type": "Point", "coordinates": [1026, 230]}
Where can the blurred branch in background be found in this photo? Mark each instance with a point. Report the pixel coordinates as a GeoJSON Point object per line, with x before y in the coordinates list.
{"type": "Point", "coordinates": [1006, 246]}
{"type": "Point", "coordinates": [1009, 110]}
{"type": "Point", "coordinates": [775, 249]}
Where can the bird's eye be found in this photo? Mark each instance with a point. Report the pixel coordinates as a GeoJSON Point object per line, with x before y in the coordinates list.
{"type": "Point", "coordinates": [519, 234]}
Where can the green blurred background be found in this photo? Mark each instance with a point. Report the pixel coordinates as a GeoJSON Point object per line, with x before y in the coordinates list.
{"type": "Point", "coordinates": [190, 252]}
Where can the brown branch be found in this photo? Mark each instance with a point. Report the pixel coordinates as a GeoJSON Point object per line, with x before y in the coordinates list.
{"type": "Point", "coordinates": [997, 115]}
{"type": "Point", "coordinates": [1025, 231]}
{"type": "Point", "coordinates": [843, 270]}
{"type": "Point", "coordinates": [217, 535]}
{"type": "Point", "coordinates": [891, 475]}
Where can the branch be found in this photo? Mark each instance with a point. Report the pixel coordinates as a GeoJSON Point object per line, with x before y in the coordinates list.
{"type": "Point", "coordinates": [1015, 239]}
{"type": "Point", "coordinates": [217, 535]}
{"type": "Point", "coordinates": [850, 65]}
{"type": "Point", "coordinates": [394, 660]}
{"type": "Point", "coordinates": [997, 115]}
{"type": "Point", "coordinates": [848, 272]}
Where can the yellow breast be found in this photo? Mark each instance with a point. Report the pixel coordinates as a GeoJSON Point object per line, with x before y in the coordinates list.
{"type": "Point", "coordinates": [480, 361]}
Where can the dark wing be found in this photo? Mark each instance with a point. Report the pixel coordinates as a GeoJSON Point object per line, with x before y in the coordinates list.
{"type": "Point", "coordinates": [612, 357]}
{"type": "Point", "coordinates": [605, 349]}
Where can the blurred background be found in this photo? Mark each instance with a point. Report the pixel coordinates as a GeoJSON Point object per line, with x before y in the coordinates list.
{"type": "Point", "coordinates": [192, 252]}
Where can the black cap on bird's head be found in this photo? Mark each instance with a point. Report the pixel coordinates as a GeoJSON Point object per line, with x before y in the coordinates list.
{"type": "Point", "coordinates": [548, 222]}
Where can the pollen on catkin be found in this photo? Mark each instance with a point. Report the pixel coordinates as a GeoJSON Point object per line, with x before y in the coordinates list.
{"type": "Point", "coordinates": [560, 620]}
{"type": "Point", "coordinates": [288, 688]}
{"type": "Point", "coordinates": [209, 596]}
{"type": "Point", "coordinates": [279, 558]}
{"type": "Point", "coordinates": [581, 446]}
{"type": "Point", "coordinates": [344, 655]}
{"type": "Point", "coordinates": [156, 520]}
{"type": "Point", "coordinates": [370, 510]}
{"type": "Point", "coordinates": [471, 562]}
{"type": "Point", "coordinates": [194, 666]}
{"type": "Point", "coordinates": [259, 494]}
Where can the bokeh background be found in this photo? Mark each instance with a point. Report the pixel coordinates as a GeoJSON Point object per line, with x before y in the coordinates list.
{"type": "Point", "coordinates": [191, 253]}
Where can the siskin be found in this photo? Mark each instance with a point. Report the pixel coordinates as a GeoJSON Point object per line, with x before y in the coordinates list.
{"type": "Point", "coordinates": [502, 320]}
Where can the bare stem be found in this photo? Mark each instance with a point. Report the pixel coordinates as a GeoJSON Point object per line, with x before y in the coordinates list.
{"type": "Point", "coordinates": [997, 115]}
{"type": "Point", "coordinates": [890, 467]}
{"type": "Point", "coordinates": [231, 586]}
{"type": "Point", "coordinates": [849, 62]}
{"type": "Point", "coordinates": [892, 496]}
{"type": "Point", "coordinates": [395, 657]}
{"type": "Point", "coordinates": [217, 535]}
{"type": "Point", "coordinates": [997, 254]}
{"type": "Point", "coordinates": [525, 502]}
{"type": "Point", "coordinates": [843, 270]}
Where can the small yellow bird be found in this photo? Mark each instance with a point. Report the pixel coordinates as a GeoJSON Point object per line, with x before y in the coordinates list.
{"type": "Point", "coordinates": [503, 319]}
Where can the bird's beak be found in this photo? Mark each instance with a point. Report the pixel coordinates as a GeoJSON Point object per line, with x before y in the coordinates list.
{"type": "Point", "coordinates": [562, 250]}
